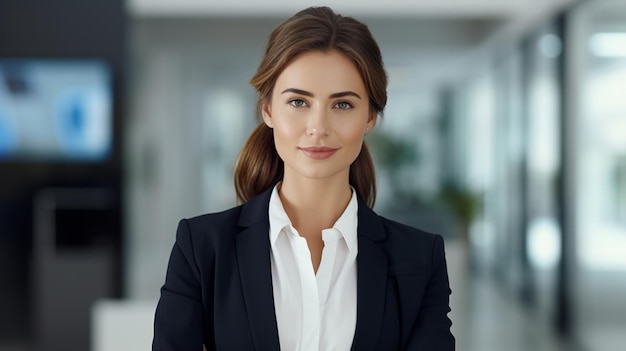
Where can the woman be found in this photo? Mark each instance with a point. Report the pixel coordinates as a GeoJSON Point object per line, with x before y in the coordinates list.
{"type": "Point", "coordinates": [304, 263]}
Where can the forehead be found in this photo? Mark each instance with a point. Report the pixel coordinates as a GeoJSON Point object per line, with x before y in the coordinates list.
{"type": "Point", "coordinates": [320, 72]}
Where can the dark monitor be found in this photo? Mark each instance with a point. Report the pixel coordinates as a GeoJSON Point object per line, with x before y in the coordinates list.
{"type": "Point", "coordinates": [55, 110]}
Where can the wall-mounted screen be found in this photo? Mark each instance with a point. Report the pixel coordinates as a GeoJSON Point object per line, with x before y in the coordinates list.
{"type": "Point", "coordinates": [55, 110]}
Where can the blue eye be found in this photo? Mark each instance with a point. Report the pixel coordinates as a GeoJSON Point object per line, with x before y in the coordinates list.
{"type": "Point", "coordinates": [297, 103]}
{"type": "Point", "coordinates": [343, 105]}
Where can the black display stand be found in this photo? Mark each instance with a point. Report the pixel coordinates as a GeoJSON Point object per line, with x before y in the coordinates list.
{"type": "Point", "coordinates": [73, 263]}
{"type": "Point", "coordinates": [47, 286]}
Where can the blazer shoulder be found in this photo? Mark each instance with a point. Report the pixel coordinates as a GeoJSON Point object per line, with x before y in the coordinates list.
{"type": "Point", "coordinates": [225, 218]}
{"type": "Point", "coordinates": [211, 228]}
{"type": "Point", "coordinates": [408, 243]}
{"type": "Point", "coordinates": [219, 229]}
{"type": "Point", "coordinates": [401, 231]}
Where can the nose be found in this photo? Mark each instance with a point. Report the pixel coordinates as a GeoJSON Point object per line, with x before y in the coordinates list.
{"type": "Point", "coordinates": [317, 124]}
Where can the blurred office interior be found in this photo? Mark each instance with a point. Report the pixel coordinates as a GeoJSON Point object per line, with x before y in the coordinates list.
{"type": "Point", "coordinates": [505, 132]}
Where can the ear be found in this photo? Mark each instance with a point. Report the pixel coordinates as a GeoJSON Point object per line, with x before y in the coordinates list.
{"type": "Point", "coordinates": [371, 122]}
{"type": "Point", "coordinates": [266, 111]}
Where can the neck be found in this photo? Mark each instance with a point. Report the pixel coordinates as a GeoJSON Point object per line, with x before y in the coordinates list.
{"type": "Point", "coordinates": [314, 204]}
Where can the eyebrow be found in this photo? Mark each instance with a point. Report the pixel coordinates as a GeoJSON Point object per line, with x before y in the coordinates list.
{"type": "Point", "coordinates": [332, 96]}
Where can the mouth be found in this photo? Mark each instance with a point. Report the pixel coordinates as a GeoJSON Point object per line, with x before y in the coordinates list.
{"type": "Point", "coordinates": [318, 152]}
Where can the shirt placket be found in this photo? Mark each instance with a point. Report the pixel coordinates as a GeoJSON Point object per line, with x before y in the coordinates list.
{"type": "Point", "coordinates": [327, 263]}
{"type": "Point", "coordinates": [310, 322]}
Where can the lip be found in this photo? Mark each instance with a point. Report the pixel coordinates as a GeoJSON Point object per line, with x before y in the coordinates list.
{"type": "Point", "coordinates": [319, 152]}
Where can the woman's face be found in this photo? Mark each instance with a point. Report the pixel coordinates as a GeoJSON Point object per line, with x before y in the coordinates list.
{"type": "Point", "coordinates": [319, 111]}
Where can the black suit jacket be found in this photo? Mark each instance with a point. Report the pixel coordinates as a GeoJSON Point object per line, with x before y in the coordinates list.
{"type": "Point", "coordinates": [218, 289]}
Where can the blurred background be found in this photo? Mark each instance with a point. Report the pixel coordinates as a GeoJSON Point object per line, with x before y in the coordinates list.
{"type": "Point", "coordinates": [505, 132]}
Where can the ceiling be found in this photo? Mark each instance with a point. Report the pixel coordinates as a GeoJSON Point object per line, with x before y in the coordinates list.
{"type": "Point", "coordinates": [406, 8]}
{"type": "Point", "coordinates": [426, 37]}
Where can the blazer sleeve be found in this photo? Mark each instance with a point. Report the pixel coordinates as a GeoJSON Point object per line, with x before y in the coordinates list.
{"type": "Point", "coordinates": [178, 321]}
{"type": "Point", "coordinates": [432, 328]}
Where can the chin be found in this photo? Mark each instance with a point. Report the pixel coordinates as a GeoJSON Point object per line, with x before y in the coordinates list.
{"type": "Point", "coordinates": [318, 173]}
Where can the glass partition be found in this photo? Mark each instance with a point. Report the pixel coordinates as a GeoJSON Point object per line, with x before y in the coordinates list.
{"type": "Point", "coordinates": [599, 31]}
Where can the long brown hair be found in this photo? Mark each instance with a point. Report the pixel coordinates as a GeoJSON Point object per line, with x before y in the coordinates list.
{"type": "Point", "coordinates": [313, 29]}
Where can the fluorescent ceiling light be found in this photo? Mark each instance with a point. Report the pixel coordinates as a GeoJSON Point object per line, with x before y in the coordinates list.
{"type": "Point", "coordinates": [608, 44]}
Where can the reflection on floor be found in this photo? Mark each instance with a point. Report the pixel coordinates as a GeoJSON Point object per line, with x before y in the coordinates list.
{"type": "Point", "coordinates": [485, 318]}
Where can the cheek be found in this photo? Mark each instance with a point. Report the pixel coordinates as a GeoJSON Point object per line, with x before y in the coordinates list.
{"type": "Point", "coordinates": [284, 132]}
{"type": "Point", "coordinates": [353, 135]}
{"type": "Point", "coordinates": [353, 142]}
{"type": "Point", "coordinates": [356, 139]}
{"type": "Point", "coordinates": [286, 138]}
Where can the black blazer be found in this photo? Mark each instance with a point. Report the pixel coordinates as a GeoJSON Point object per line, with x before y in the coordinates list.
{"type": "Point", "coordinates": [218, 289]}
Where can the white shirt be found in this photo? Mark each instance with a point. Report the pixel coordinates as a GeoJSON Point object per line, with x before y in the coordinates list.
{"type": "Point", "coordinates": [314, 311]}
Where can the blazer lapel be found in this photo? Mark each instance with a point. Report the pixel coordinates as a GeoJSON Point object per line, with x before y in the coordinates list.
{"type": "Point", "coordinates": [253, 256]}
{"type": "Point", "coordinates": [371, 280]}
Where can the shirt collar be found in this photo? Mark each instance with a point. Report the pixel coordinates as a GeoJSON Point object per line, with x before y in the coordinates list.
{"type": "Point", "coordinates": [277, 215]}
{"type": "Point", "coordinates": [346, 224]}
